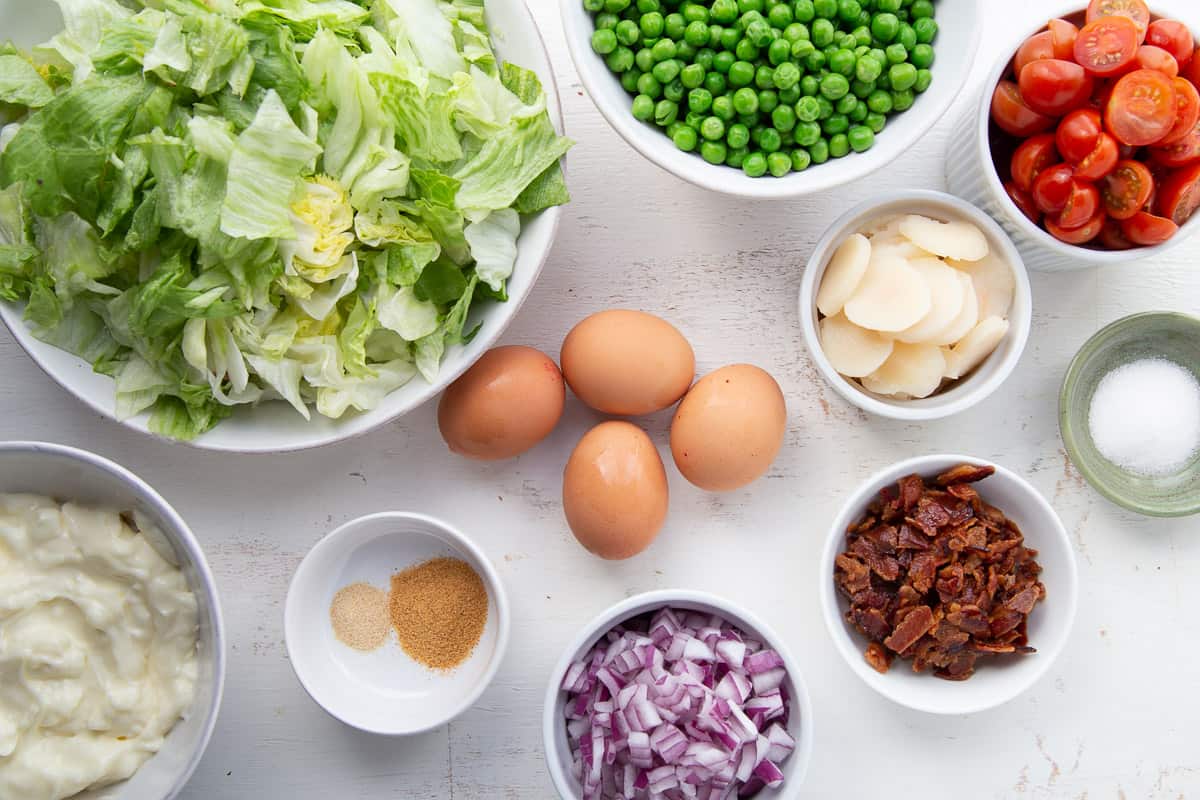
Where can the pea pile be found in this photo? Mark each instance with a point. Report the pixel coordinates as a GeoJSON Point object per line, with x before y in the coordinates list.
{"type": "Point", "coordinates": [768, 86]}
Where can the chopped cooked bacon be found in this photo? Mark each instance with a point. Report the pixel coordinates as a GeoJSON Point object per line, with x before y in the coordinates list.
{"type": "Point", "coordinates": [936, 575]}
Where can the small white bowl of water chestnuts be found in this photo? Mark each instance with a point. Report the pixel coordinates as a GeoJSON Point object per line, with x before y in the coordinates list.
{"type": "Point", "coordinates": [915, 305]}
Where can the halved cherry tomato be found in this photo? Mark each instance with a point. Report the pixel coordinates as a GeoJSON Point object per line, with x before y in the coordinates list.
{"type": "Point", "coordinates": [1024, 201]}
{"type": "Point", "coordinates": [1148, 229]}
{"type": "Point", "coordinates": [1126, 189]}
{"type": "Point", "coordinates": [1107, 46]}
{"type": "Point", "coordinates": [1172, 36]}
{"type": "Point", "coordinates": [1063, 35]}
{"type": "Point", "coordinates": [1077, 134]}
{"type": "Point", "coordinates": [1036, 47]}
{"type": "Point", "coordinates": [1179, 195]}
{"type": "Point", "coordinates": [1113, 238]}
{"type": "Point", "coordinates": [1053, 86]}
{"type": "Point", "coordinates": [1033, 156]}
{"type": "Point", "coordinates": [1081, 205]}
{"type": "Point", "coordinates": [1101, 161]}
{"type": "Point", "coordinates": [1136, 10]}
{"type": "Point", "coordinates": [1142, 109]}
{"type": "Point", "coordinates": [1187, 100]}
{"type": "Point", "coordinates": [1013, 116]}
{"type": "Point", "coordinates": [1151, 57]}
{"type": "Point", "coordinates": [1052, 188]}
{"type": "Point", "coordinates": [1081, 235]}
{"type": "Point", "coordinates": [1184, 151]}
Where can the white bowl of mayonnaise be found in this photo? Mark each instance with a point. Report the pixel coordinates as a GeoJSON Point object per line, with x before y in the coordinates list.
{"type": "Point", "coordinates": [112, 649]}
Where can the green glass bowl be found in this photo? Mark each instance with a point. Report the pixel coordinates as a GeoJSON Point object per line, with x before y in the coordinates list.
{"type": "Point", "coordinates": [1168, 335]}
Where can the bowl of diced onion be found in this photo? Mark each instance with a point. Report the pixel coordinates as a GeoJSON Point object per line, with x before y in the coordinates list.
{"type": "Point", "coordinates": [677, 687]}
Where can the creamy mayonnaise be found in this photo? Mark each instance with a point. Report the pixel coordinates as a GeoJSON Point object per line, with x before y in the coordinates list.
{"type": "Point", "coordinates": [98, 639]}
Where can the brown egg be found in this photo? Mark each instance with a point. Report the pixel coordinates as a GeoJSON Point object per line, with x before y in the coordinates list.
{"type": "Point", "coordinates": [627, 362]}
{"type": "Point", "coordinates": [615, 490]}
{"type": "Point", "coordinates": [505, 404]}
{"type": "Point", "coordinates": [729, 428]}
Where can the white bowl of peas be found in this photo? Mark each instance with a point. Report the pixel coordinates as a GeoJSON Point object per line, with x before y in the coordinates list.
{"type": "Point", "coordinates": [772, 98]}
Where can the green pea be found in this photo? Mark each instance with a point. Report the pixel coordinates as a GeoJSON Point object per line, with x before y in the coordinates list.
{"type": "Point", "coordinates": [674, 91]}
{"type": "Point", "coordinates": [712, 129]}
{"type": "Point", "coordinates": [723, 107]}
{"type": "Point", "coordinates": [651, 25]}
{"type": "Point", "coordinates": [768, 100]}
{"type": "Point", "coordinates": [826, 107]}
{"type": "Point", "coordinates": [673, 128]}
{"type": "Point", "coordinates": [861, 138]}
{"type": "Point", "coordinates": [715, 83]}
{"type": "Point", "coordinates": [694, 12]}
{"type": "Point", "coordinates": [649, 86]}
{"type": "Point", "coordinates": [888, 6]}
{"type": "Point", "coordinates": [644, 59]}
{"type": "Point", "coordinates": [746, 51]}
{"type": "Point", "coordinates": [867, 69]}
{"type": "Point", "coordinates": [685, 139]}
{"type": "Point", "coordinates": [924, 80]}
{"type": "Point", "coordinates": [745, 101]}
{"type": "Point", "coordinates": [808, 109]}
{"type": "Point", "coordinates": [858, 113]}
{"type": "Point", "coordinates": [786, 75]}
{"type": "Point", "coordinates": [804, 11]}
{"type": "Point", "coordinates": [843, 62]}
{"type": "Point", "coordinates": [770, 140]}
{"type": "Point", "coordinates": [926, 29]}
{"type": "Point", "coordinates": [839, 145]}
{"type": "Point", "coordinates": [837, 123]}
{"type": "Point", "coordinates": [846, 105]}
{"type": "Point", "coordinates": [646, 6]}
{"type": "Point", "coordinates": [694, 120]}
{"type": "Point", "coordinates": [665, 71]}
{"type": "Point", "coordinates": [862, 90]}
{"type": "Point", "coordinates": [780, 16]}
{"type": "Point", "coordinates": [779, 51]}
{"type": "Point", "coordinates": [749, 120]}
{"type": "Point", "coordinates": [759, 32]}
{"type": "Point", "coordinates": [643, 107]}
{"type": "Point", "coordinates": [902, 100]}
{"type": "Point", "coordinates": [749, 5]}
{"type": "Point", "coordinates": [921, 9]}
{"type": "Point", "coordinates": [885, 27]}
{"type": "Point", "coordinates": [674, 26]}
{"type": "Point", "coordinates": [834, 86]}
{"type": "Point", "coordinates": [848, 10]}
{"type": "Point", "coordinates": [819, 150]}
{"type": "Point", "coordinates": [627, 32]}
{"type": "Point", "coordinates": [724, 11]}
{"type": "Point", "coordinates": [665, 112]}
{"type": "Point", "coordinates": [880, 102]}
{"type": "Point", "coordinates": [620, 60]}
{"type": "Point", "coordinates": [692, 76]}
{"type": "Point", "coordinates": [779, 164]}
{"type": "Point", "coordinates": [807, 133]}
{"type": "Point", "coordinates": [664, 50]}
{"type": "Point", "coordinates": [825, 9]}
{"type": "Point", "coordinates": [862, 36]}
{"type": "Point", "coordinates": [790, 95]}
{"type": "Point", "coordinates": [822, 33]}
{"type": "Point", "coordinates": [902, 76]}
{"type": "Point", "coordinates": [795, 32]}
{"type": "Point", "coordinates": [593, 6]}
{"type": "Point", "coordinates": [606, 21]}
{"type": "Point", "coordinates": [722, 61]}
{"type": "Point", "coordinates": [700, 100]}
{"type": "Point", "coordinates": [615, 6]}
{"type": "Point", "coordinates": [921, 56]}
{"type": "Point", "coordinates": [735, 156]}
{"type": "Point", "coordinates": [896, 54]}
{"type": "Point", "coordinates": [730, 38]}
{"type": "Point", "coordinates": [764, 77]}
{"type": "Point", "coordinates": [738, 135]}
{"type": "Point", "coordinates": [802, 49]}
{"type": "Point", "coordinates": [629, 80]}
{"type": "Point", "coordinates": [783, 118]}
{"type": "Point", "coordinates": [801, 160]}
{"type": "Point", "coordinates": [704, 58]}
{"type": "Point", "coordinates": [696, 34]}
{"type": "Point", "coordinates": [713, 152]}
{"type": "Point", "coordinates": [604, 41]}
{"type": "Point", "coordinates": [815, 62]}
{"type": "Point", "coordinates": [714, 35]}
{"type": "Point", "coordinates": [755, 165]}
{"type": "Point", "coordinates": [809, 86]}
{"type": "Point", "coordinates": [741, 73]}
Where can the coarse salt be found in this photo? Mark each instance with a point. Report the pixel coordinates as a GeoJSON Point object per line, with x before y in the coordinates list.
{"type": "Point", "coordinates": [1145, 417]}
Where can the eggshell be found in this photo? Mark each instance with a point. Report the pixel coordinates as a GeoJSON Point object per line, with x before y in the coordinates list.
{"type": "Point", "coordinates": [502, 406]}
{"type": "Point", "coordinates": [627, 362]}
{"type": "Point", "coordinates": [615, 490]}
{"type": "Point", "coordinates": [729, 428]}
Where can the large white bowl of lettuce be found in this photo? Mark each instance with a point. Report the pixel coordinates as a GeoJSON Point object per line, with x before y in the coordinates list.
{"type": "Point", "coordinates": [266, 225]}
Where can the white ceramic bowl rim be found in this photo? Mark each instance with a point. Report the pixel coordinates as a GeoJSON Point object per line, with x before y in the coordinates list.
{"type": "Point", "coordinates": [590, 633]}
{"type": "Point", "coordinates": [1060, 8]}
{"type": "Point", "coordinates": [402, 401]}
{"type": "Point", "coordinates": [491, 579]}
{"type": "Point", "coordinates": [969, 392]}
{"type": "Point", "coordinates": [850, 643]}
{"type": "Point", "coordinates": [181, 536]}
{"type": "Point", "coordinates": [658, 149]}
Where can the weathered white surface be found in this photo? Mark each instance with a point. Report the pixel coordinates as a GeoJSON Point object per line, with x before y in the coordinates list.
{"type": "Point", "coordinates": [1116, 717]}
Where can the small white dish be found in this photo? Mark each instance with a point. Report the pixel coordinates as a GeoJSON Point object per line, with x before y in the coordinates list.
{"type": "Point", "coordinates": [955, 50]}
{"type": "Point", "coordinates": [988, 376]}
{"type": "Point", "coordinates": [996, 681]}
{"type": "Point", "coordinates": [69, 474]}
{"type": "Point", "coordinates": [385, 691]}
{"type": "Point", "coordinates": [554, 726]}
{"type": "Point", "coordinates": [971, 173]}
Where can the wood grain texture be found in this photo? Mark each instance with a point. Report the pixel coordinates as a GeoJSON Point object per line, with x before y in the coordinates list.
{"type": "Point", "coordinates": [1115, 717]}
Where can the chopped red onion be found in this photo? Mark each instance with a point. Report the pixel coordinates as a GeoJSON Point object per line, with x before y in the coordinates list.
{"type": "Point", "coordinates": [674, 706]}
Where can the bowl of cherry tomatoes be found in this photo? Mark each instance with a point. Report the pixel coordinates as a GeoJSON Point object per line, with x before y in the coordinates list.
{"type": "Point", "coordinates": [1086, 144]}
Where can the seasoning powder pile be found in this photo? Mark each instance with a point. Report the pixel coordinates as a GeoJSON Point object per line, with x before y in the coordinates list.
{"type": "Point", "coordinates": [1145, 417]}
{"type": "Point", "coordinates": [439, 609]}
{"type": "Point", "coordinates": [359, 614]}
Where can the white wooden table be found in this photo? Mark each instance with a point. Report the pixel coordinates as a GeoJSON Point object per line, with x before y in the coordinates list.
{"type": "Point", "coordinates": [1115, 718]}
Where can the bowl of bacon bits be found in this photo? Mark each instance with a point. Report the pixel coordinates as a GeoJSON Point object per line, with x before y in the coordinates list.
{"type": "Point", "coordinates": [677, 694]}
{"type": "Point", "coordinates": [948, 584]}
{"type": "Point", "coordinates": [1086, 146]}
